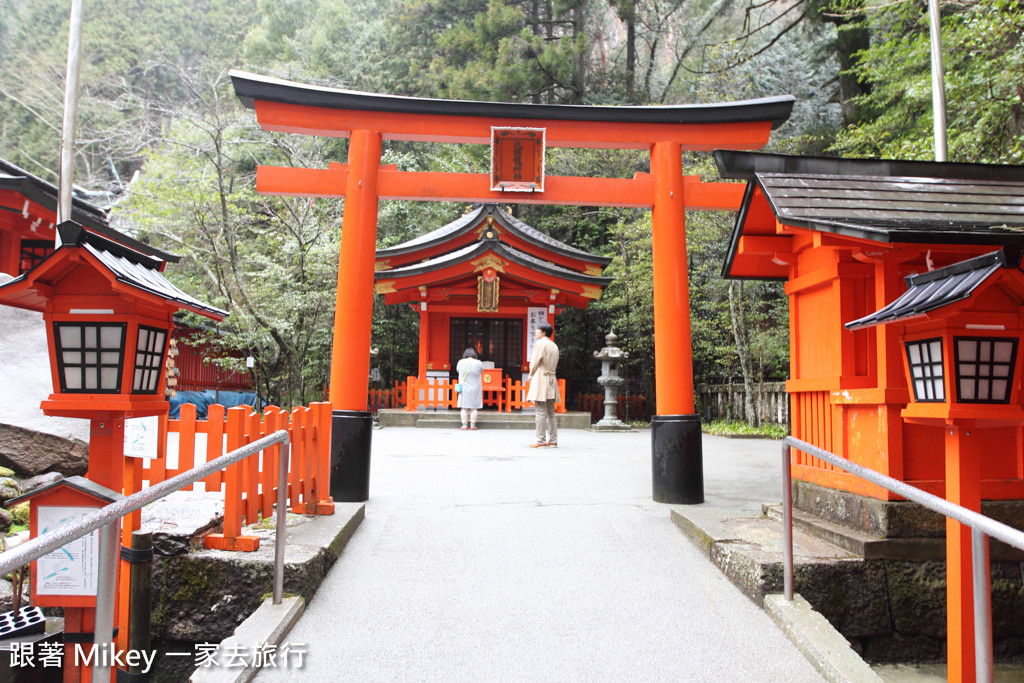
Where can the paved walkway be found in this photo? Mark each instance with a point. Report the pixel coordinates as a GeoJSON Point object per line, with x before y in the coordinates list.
{"type": "Point", "coordinates": [483, 560]}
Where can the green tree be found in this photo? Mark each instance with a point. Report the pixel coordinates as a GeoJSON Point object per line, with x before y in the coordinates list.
{"type": "Point", "coordinates": [983, 58]}
{"type": "Point", "coordinates": [132, 53]}
{"type": "Point", "coordinates": [270, 261]}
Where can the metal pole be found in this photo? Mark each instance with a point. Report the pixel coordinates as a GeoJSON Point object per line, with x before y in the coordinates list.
{"type": "Point", "coordinates": [982, 607]}
{"type": "Point", "coordinates": [67, 136]}
{"type": "Point", "coordinates": [106, 597]}
{"type": "Point", "coordinates": [938, 86]}
{"type": "Point", "coordinates": [282, 520]}
{"type": "Point", "coordinates": [787, 523]}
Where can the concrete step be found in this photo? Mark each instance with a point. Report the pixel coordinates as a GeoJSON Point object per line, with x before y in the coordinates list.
{"type": "Point", "coordinates": [871, 547]}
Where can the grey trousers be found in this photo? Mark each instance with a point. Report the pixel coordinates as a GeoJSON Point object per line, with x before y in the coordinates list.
{"type": "Point", "coordinates": [547, 426]}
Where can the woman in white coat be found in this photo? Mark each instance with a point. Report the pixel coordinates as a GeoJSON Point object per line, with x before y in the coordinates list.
{"type": "Point", "coordinates": [471, 398]}
{"type": "Point", "coordinates": [544, 387]}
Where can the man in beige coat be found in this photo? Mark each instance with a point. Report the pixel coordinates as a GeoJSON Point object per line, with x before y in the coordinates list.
{"type": "Point", "coordinates": [544, 387]}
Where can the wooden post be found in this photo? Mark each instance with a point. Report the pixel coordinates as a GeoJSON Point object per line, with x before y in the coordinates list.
{"type": "Point", "coordinates": [141, 586]}
{"type": "Point", "coordinates": [963, 487]}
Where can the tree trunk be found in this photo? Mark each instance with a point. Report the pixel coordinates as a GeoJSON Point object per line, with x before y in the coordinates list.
{"type": "Point", "coordinates": [739, 335]}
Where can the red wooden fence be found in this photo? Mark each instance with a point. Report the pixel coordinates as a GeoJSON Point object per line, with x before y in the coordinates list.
{"type": "Point", "coordinates": [440, 394]}
{"type": "Point", "coordinates": [250, 486]}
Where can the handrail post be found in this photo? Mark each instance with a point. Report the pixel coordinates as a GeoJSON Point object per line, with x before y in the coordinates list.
{"type": "Point", "coordinates": [982, 606]}
{"type": "Point", "coordinates": [106, 592]}
{"type": "Point", "coordinates": [787, 523]}
{"type": "Point", "coordinates": [282, 521]}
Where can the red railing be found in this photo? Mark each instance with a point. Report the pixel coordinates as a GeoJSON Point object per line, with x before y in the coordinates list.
{"type": "Point", "coordinates": [440, 394]}
{"type": "Point", "coordinates": [250, 486]}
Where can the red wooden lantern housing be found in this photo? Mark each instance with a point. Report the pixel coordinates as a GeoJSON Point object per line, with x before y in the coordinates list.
{"type": "Point", "coordinates": [961, 330]}
{"type": "Point", "coordinates": [108, 310]}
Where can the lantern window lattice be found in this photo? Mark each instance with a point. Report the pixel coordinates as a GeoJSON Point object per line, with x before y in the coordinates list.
{"type": "Point", "coordinates": [90, 356]}
{"type": "Point", "coordinates": [149, 359]}
{"type": "Point", "coordinates": [984, 369]}
{"type": "Point", "coordinates": [925, 360]}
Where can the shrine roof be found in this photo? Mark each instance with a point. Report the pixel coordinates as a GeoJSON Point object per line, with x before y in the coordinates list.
{"type": "Point", "coordinates": [250, 87]}
{"type": "Point", "coordinates": [932, 290]}
{"type": "Point", "coordinates": [471, 251]}
{"type": "Point", "coordinates": [124, 264]}
{"type": "Point", "coordinates": [76, 482]}
{"type": "Point", "coordinates": [471, 220]}
{"type": "Point", "coordinates": [44, 194]}
{"type": "Point", "coordinates": [881, 200]}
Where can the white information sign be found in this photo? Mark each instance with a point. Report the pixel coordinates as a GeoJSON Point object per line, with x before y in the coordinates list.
{"type": "Point", "coordinates": [534, 317]}
{"type": "Point", "coordinates": [73, 569]}
{"type": "Point", "coordinates": [140, 437]}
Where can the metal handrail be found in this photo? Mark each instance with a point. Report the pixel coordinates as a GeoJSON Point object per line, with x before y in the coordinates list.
{"type": "Point", "coordinates": [981, 528]}
{"type": "Point", "coordinates": [106, 520]}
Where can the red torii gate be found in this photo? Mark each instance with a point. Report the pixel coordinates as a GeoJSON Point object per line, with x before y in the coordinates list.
{"type": "Point", "coordinates": [367, 119]}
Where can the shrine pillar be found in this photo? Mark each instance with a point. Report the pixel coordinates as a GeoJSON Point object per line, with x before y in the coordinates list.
{"type": "Point", "coordinates": [424, 341]}
{"type": "Point", "coordinates": [677, 459]}
{"type": "Point", "coordinates": [352, 423]}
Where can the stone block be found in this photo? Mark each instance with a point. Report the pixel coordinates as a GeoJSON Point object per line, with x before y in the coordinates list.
{"type": "Point", "coordinates": [30, 453]}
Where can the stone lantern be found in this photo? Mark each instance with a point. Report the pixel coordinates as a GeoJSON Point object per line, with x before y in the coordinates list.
{"type": "Point", "coordinates": [611, 357]}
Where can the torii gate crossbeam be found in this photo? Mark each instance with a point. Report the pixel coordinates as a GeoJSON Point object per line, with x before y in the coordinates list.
{"type": "Point", "coordinates": [369, 119]}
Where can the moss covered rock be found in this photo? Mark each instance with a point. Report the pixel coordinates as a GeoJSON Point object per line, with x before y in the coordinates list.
{"type": "Point", "coordinates": [20, 513]}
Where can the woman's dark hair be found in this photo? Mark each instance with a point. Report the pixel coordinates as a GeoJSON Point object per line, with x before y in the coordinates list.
{"type": "Point", "coordinates": [546, 329]}
{"type": "Point", "coordinates": [469, 353]}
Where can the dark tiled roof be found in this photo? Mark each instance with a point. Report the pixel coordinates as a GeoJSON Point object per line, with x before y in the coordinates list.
{"type": "Point", "coordinates": [477, 248]}
{"type": "Point", "coordinates": [93, 217]}
{"type": "Point", "coordinates": [251, 87]}
{"type": "Point", "coordinates": [885, 200]}
{"type": "Point", "coordinates": [126, 265]}
{"type": "Point", "coordinates": [470, 220]}
{"type": "Point", "coordinates": [930, 291]}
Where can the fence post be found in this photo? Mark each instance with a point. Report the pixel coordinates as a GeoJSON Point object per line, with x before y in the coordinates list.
{"type": "Point", "coordinates": [322, 454]}
{"type": "Point", "coordinates": [232, 538]}
{"type": "Point", "coordinates": [214, 444]}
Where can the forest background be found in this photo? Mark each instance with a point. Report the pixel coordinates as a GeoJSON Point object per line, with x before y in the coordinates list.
{"type": "Point", "coordinates": [163, 141]}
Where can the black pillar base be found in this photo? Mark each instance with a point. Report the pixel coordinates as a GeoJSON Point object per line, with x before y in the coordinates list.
{"type": "Point", "coordinates": [677, 460]}
{"type": "Point", "coordinates": [350, 455]}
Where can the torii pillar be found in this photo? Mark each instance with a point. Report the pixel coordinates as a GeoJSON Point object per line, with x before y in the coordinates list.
{"type": "Point", "coordinates": [677, 460]}
{"type": "Point", "coordinates": [367, 118]}
{"type": "Point", "coordinates": [352, 423]}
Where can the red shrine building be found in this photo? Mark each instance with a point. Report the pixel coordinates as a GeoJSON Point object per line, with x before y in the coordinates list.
{"type": "Point", "coordinates": [849, 237]}
{"type": "Point", "coordinates": [485, 281]}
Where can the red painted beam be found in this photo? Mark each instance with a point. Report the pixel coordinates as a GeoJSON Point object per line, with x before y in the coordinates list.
{"type": "Point", "coordinates": [637, 191]}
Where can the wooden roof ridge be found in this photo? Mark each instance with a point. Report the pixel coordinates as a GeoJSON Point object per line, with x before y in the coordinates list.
{"type": "Point", "coordinates": [471, 251]}
{"type": "Point", "coordinates": [470, 221]}
{"type": "Point", "coordinates": [250, 87]}
{"type": "Point", "coordinates": [45, 194]}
